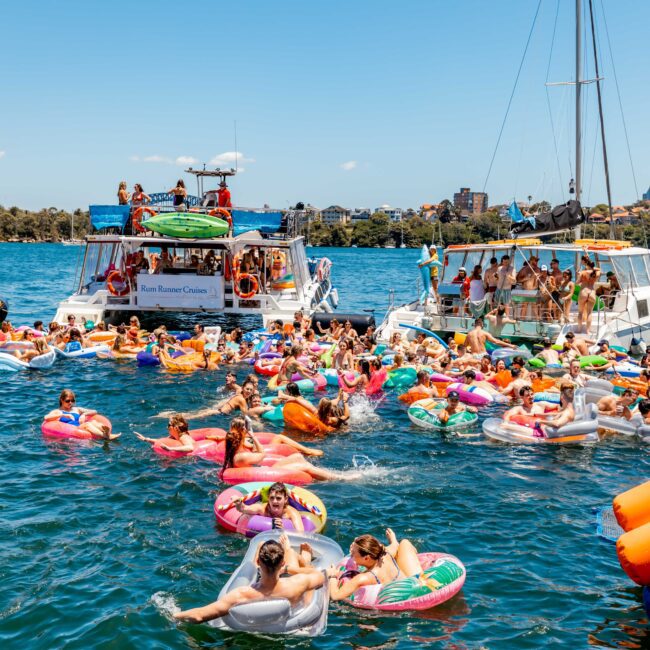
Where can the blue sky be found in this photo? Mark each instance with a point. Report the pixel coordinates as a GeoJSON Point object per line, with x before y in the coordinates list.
{"type": "Point", "coordinates": [358, 103]}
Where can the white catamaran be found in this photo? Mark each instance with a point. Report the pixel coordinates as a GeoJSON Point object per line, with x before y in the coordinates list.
{"type": "Point", "coordinates": [258, 266]}
{"type": "Point", "coordinates": [621, 311]}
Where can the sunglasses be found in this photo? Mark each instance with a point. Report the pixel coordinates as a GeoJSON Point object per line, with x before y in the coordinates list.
{"type": "Point", "coordinates": [69, 401]}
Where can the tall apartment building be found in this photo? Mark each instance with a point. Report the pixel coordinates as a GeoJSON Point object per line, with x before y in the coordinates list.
{"type": "Point", "coordinates": [335, 214]}
{"type": "Point", "coordinates": [395, 214]}
{"type": "Point", "coordinates": [471, 202]}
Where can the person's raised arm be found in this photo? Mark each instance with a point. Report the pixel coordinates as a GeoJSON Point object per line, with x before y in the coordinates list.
{"type": "Point", "coordinates": [496, 341]}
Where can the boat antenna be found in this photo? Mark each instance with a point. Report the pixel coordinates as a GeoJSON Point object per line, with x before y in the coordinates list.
{"type": "Point", "coordinates": [612, 228]}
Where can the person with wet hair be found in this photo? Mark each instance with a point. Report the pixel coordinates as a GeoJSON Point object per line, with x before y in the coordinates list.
{"type": "Point", "coordinates": [272, 557]}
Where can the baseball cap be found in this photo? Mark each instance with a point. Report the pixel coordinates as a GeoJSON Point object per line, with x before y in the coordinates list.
{"type": "Point", "coordinates": [453, 394]}
{"type": "Point", "coordinates": [603, 342]}
{"type": "Point", "coordinates": [462, 268]}
{"type": "Point", "coordinates": [544, 267]}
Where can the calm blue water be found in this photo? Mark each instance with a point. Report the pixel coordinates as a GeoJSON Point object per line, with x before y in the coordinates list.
{"type": "Point", "coordinates": [90, 533]}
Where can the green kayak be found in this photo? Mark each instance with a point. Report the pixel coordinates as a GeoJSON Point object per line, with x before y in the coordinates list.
{"type": "Point", "coordinates": [186, 224]}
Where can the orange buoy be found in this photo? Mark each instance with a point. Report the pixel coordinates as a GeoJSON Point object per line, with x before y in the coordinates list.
{"type": "Point", "coordinates": [632, 508]}
{"type": "Point", "coordinates": [633, 550]}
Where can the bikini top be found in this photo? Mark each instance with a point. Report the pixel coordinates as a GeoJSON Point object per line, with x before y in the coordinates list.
{"type": "Point", "coordinates": [70, 417]}
{"type": "Point", "coordinates": [399, 572]}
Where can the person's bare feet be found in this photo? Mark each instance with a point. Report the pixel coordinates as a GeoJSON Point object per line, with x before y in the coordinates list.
{"type": "Point", "coordinates": [308, 451]}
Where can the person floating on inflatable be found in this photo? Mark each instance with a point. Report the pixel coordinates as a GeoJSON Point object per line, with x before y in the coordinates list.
{"type": "Point", "coordinates": [79, 417]}
{"type": "Point", "coordinates": [276, 507]}
{"type": "Point", "coordinates": [272, 557]}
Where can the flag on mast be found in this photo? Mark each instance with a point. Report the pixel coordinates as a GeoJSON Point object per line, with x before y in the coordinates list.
{"type": "Point", "coordinates": [515, 213]}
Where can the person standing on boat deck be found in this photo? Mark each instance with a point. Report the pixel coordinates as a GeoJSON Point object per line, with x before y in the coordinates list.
{"type": "Point", "coordinates": [587, 278]}
{"type": "Point", "coordinates": [139, 197]}
{"type": "Point", "coordinates": [506, 278]}
{"type": "Point", "coordinates": [223, 193]}
{"type": "Point", "coordinates": [547, 290]}
{"type": "Point", "coordinates": [491, 280]}
{"type": "Point", "coordinates": [180, 196]}
{"type": "Point", "coordinates": [528, 277]}
{"type": "Point", "coordinates": [433, 265]}
{"type": "Point", "coordinates": [122, 194]}
{"type": "Point", "coordinates": [565, 294]}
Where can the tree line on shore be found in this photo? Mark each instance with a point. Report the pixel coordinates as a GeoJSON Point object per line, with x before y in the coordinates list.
{"type": "Point", "coordinates": [48, 224]}
{"type": "Point", "coordinates": [52, 224]}
{"type": "Point", "coordinates": [380, 231]}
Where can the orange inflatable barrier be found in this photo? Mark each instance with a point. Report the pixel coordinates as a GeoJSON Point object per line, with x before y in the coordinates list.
{"type": "Point", "coordinates": [413, 396]}
{"type": "Point", "coordinates": [632, 508]}
{"type": "Point", "coordinates": [298, 417]}
{"type": "Point", "coordinates": [194, 345]}
{"type": "Point", "coordinates": [633, 550]}
{"type": "Point", "coordinates": [632, 511]}
{"type": "Point", "coordinates": [503, 378]}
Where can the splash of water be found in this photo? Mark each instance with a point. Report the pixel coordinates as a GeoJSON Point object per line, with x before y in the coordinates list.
{"type": "Point", "coordinates": [166, 604]}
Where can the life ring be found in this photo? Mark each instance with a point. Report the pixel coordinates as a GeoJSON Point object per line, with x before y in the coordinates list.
{"type": "Point", "coordinates": [221, 212]}
{"type": "Point", "coordinates": [117, 276]}
{"type": "Point", "coordinates": [253, 282]}
{"type": "Point", "coordinates": [136, 218]}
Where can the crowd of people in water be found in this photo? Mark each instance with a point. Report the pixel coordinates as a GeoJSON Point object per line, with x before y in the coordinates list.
{"type": "Point", "coordinates": [300, 349]}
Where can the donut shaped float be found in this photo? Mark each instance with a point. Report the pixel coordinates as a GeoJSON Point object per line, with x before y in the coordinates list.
{"type": "Point", "coordinates": [58, 429]}
{"type": "Point", "coordinates": [425, 414]}
{"type": "Point", "coordinates": [443, 576]}
{"type": "Point", "coordinates": [311, 508]}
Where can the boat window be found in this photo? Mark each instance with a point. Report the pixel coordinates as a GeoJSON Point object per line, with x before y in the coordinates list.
{"type": "Point", "coordinates": [453, 261]}
{"type": "Point", "coordinates": [473, 258]}
{"type": "Point", "coordinates": [90, 264]}
{"type": "Point", "coordinates": [640, 270]}
{"type": "Point", "coordinates": [623, 270]}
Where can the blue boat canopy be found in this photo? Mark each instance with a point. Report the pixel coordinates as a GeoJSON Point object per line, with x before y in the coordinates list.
{"type": "Point", "coordinates": [264, 221]}
{"type": "Point", "coordinates": [109, 216]}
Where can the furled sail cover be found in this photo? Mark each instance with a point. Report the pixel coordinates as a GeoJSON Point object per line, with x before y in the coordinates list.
{"type": "Point", "coordinates": [109, 216]}
{"type": "Point", "coordinates": [561, 217]}
{"type": "Point", "coordinates": [264, 221]}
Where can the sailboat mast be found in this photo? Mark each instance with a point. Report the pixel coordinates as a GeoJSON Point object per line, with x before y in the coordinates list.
{"type": "Point", "coordinates": [578, 177]}
{"type": "Point", "coordinates": [612, 232]}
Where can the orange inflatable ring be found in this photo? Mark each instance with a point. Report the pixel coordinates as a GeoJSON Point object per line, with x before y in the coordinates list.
{"type": "Point", "coordinates": [136, 219]}
{"type": "Point", "coordinates": [116, 277]}
{"type": "Point", "coordinates": [298, 417]}
{"type": "Point", "coordinates": [254, 285]}
{"type": "Point", "coordinates": [193, 345]}
{"type": "Point", "coordinates": [221, 212]}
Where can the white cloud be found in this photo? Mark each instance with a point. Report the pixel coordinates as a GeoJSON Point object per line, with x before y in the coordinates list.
{"type": "Point", "coordinates": [2, 154]}
{"type": "Point", "coordinates": [157, 159]}
{"type": "Point", "coordinates": [134, 158]}
{"type": "Point", "coordinates": [231, 159]}
{"type": "Point", "coordinates": [350, 164]}
{"type": "Point", "coordinates": [185, 160]}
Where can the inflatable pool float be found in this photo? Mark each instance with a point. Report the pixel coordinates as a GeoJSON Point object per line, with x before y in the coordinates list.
{"type": "Point", "coordinates": [12, 364]}
{"type": "Point", "coordinates": [58, 429]}
{"type": "Point", "coordinates": [298, 417]}
{"type": "Point", "coordinates": [507, 354]}
{"type": "Point", "coordinates": [474, 395]}
{"type": "Point", "coordinates": [350, 376]}
{"type": "Point", "coordinates": [311, 509]}
{"type": "Point", "coordinates": [625, 369]}
{"type": "Point", "coordinates": [632, 511]}
{"type": "Point", "coordinates": [376, 382]}
{"type": "Point", "coordinates": [12, 346]}
{"type": "Point", "coordinates": [331, 376]}
{"type": "Point", "coordinates": [267, 367]}
{"type": "Point", "coordinates": [84, 353]}
{"type": "Point", "coordinates": [413, 396]}
{"type": "Point", "coordinates": [621, 383]}
{"type": "Point", "coordinates": [102, 337]}
{"type": "Point", "coordinates": [553, 398]}
{"type": "Point", "coordinates": [207, 445]}
{"type": "Point", "coordinates": [275, 416]}
{"type": "Point", "coordinates": [277, 616]}
{"type": "Point", "coordinates": [583, 431]}
{"type": "Point", "coordinates": [236, 475]}
{"type": "Point", "coordinates": [443, 576]}
{"type": "Point", "coordinates": [274, 448]}
{"type": "Point", "coordinates": [594, 360]}
{"type": "Point", "coordinates": [305, 385]}
{"type": "Point", "coordinates": [425, 414]}
{"type": "Point", "coordinates": [286, 282]}
{"type": "Point", "coordinates": [187, 362]}
{"type": "Point", "coordinates": [591, 394]}
{"type": "Point", "coordinates": [401, 378]}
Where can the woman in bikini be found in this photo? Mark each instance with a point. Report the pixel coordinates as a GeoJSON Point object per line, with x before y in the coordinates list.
{"type": "Point", "coordinates": [343, 359]}
{"type": "Point", "coordinates": [244, 450]}
{"type": "Point", "coordinates": [79, 417]}
{"type": "Point", "coordinates": [587, 279]}
{"type": "Point", "coordinates": [382, 564]}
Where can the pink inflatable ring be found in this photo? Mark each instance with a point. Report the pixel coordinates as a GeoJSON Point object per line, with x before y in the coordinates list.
{"type": "Point", "coordinates": [56, 429]}
{"type": "Point", "coordinates": [442, 578]}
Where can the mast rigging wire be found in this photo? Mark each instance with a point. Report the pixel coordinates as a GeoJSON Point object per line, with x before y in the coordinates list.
{"type": "Point", "coordinates": [512, 94]}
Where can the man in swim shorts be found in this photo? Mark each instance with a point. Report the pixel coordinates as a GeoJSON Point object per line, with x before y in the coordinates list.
{"type": "Point", "coordinates": [505, 280]}
{"type": "Point", "coordinates": [272, 557]}
{"type": "Point", "coordinates": [478, 336]}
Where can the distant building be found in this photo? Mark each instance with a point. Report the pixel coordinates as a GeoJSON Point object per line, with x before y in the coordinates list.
{"type": "Point", "coordinates": [646, 196]}
{"type": "Point", "coordinates": [409, 213]}
{"type": "Point", "coordinates": [335, 214]}
{"type": "Point", "coordinates": [429, 211]}
{"type": "Point", "coordinates": [360, 214]}
{"type": "Point", "coordinates": [395, 214]}
{"type": "Point", "coordinates": [470, 202]}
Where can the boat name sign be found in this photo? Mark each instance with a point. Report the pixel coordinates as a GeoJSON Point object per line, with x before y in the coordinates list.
{"type": "Point", "coordinates": [205, 291]}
